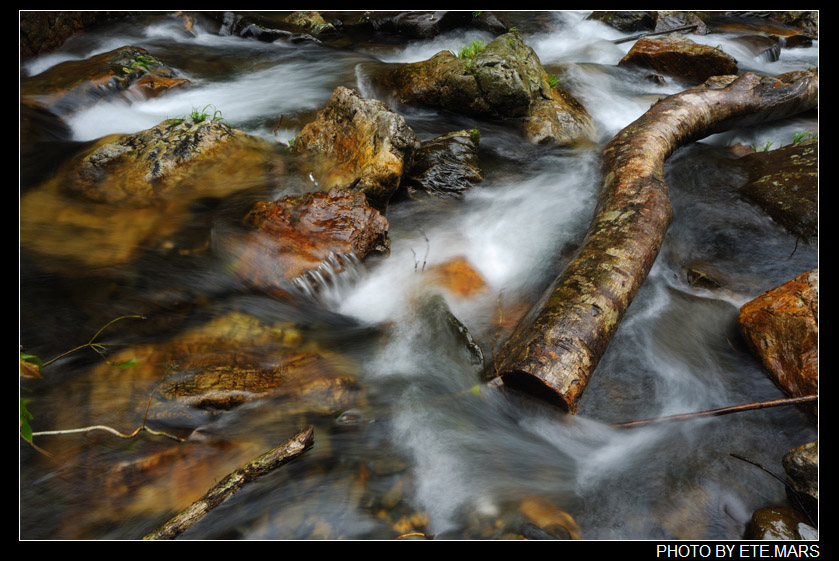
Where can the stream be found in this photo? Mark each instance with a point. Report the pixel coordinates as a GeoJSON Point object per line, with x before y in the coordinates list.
{"type": "Point", "coordinates": [427, 449]}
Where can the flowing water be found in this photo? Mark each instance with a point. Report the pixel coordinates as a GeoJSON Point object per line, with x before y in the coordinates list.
{"type": "Point", "coordinates": [428, 449]}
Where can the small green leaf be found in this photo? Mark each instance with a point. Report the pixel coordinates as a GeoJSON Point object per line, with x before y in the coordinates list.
{"type": "Point", "coordinates": [31, 358]}
{"type": "Point", "coordinates": [127, 364]}
{"type": "Point", "coordinates": [25, 417]}
{"type": "Point", "coordinates": [476, 389]}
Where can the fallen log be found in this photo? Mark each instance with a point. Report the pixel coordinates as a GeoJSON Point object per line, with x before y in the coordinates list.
{"type": "Point", "coordinates": [555, 349]}
{"type": "Point", "coordinates": [265, 463]}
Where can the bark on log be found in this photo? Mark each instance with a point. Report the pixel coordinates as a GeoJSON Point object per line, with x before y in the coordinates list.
{"type": "Point", "coordinates": [554, 351]}
{"type": "Point", "coordinates": [265, 463]}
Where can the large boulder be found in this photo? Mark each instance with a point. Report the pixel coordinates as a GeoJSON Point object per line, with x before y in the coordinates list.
{"type": "Point", "coordinates": [504, 79]}
{"type": "Point", "coordinates": [297, 235]}
{"type": "Point", "coordinates": [680, 57]}
{"type": "Point", "coordinates": [779, 523]}
{"type": "Point", "coordinates": [126, 193]}
{"type": "Point", "coordinates": [785, 184]}
{"type": "Point", "coordinates": [76, 84]}
{"type": "Point", "coordinates": [782, 328]}
{"type": "Point", "coordinates": [43, 31]}
{"type": "Point", "coordinates": [358, 143]}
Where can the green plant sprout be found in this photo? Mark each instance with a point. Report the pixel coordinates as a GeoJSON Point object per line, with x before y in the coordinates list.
{"type": "Point", "coordinates": [804, 135]}
{"type": "Point", "coordinates": [33, 365]}
{"type": "Point", "coordinates": [765, 148]}
{"type": "Point", "coordinates": [552, 80]}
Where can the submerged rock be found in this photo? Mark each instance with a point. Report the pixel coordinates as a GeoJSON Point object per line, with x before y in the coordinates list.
{"type": "Point", "coordinates": [785, 184]}
{"type": "Point", "coordinates": [296, 234]}
{"type": "Point", "coordinates": [127, 193]}
{"type": "Point", "coordinates": [358, 143]}
{"type": "Point", "coordinates": [446, 166]}
{"type": "Point", "coordinates": [503, 79]}
{"type": "Point", "coordinates": [73, 85]}
{"type": "Point", "coordinates": [680, 57]}
{"type": "Point", "coordinates": [781, 327]}
{"type": "Point", "coordinates": [778, 523]}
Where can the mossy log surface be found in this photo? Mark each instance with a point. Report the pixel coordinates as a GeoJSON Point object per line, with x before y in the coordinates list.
{"type": "Point", "coordinates": [262, 465]}
{"type": "Point", "coordinates": [554, 351]}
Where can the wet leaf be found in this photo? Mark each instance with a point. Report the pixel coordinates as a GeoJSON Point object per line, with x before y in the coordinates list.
{"type": "Point", "coordinates": [25, 417]}
{"type": "Point", "coordinates": [30, 366]}
{"type": "Point", "coordinates": [127, 364]}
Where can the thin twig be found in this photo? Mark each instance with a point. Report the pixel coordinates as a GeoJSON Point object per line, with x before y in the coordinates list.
{"type": "Point", "coordinates": [720, 411]}
{"type": "Point", "coordinates": [95, 346]}
{"type": "Point", "coordinates": [262, 465]}
{"type": "Point", "coordinates": [782, 480]}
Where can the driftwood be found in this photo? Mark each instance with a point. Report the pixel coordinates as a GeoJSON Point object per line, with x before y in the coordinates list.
{"type": "Point", "coordinates": [721, 411]}
{"type": "Point", "coordinates": [267, 462]}
{"type": "Point", "coordinates": [554, 351]}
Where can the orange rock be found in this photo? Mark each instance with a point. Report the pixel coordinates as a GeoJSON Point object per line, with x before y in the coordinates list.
{"type": "Point", "coordinates": [546, 515]}
{"type": "Point", "coordinates": [781, 326]}
{"type": "Point", "coordinates": [459, 277]}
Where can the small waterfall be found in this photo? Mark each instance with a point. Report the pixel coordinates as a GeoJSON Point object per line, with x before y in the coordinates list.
{"type": "Point", "coordinates": [329, 282]}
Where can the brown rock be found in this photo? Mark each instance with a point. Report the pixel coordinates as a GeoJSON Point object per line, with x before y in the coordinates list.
{"type": "Point", "coordinates": [459, 277]}
{"type": "Point", "coordinates": [297, 234]}
{"type": "Point", "coordinates": [785, 184]}
{"type": "Point", "coordinates": [75, 84]}
{"type": "Point", "coordinates": [680, 57]}
{"type": "Point", "coordinates": [776, 523]}
{"type": "Point", "coordinates": [781, 326]}
{"type": "Point", "coordinates": [549, 517]}
{"type": "Point", "coordinates": [358, 143]}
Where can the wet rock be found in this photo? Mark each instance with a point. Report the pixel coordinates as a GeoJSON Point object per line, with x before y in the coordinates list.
{"type": "Point", "coordinates": [778, 523]}
{"type": "Point", "coordinates": [262, 26]}
{"type": "Point", "coordinates": [43, 31]}
{"type": "Point", "coordinates": [680, 57]}
{"type": "Point", "coordinates": [670, 19]}
{"type": "Point", "coordinates": [801, 465]}
{"type": "Point", "coordinates": [781, 327]}
{"type": "Point", "coordinates": [785, 184]}
{"type": "Point", "coordinates": [797, 42]}
{"type": "Point", "coordinates": [627, 21]}
{"type": "Point", "coordinates": [312, 22]}
{"type": "Point", "coordinates": [504, 80]}
{"type": "Point", "coordinates": [214, 367]}
{"type": "Point", "coordinates": [445, 166]}
{"type": "Point", "coordinates": [549, 518]}
{"type": "Point", "coordinates": [127, 193]}
{"type": "Point", "coordinates": [358, 143]}
{"type": "Point", "coordinates": [419, 25]}
{"type": "Point", "coordinates": [761, 46]}
{"type": "Point", "coordinates": [296, 234]}
{"type": "Point", "coordinates": [76, 84]}
{"type": "Point", "coordinates": [458, 277]}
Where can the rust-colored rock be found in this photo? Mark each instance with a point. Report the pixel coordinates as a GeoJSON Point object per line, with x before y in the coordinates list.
{"type": "Point", "coordinates": [459, 277]}
{"type": "Point", "coordinates": [785, 184]}
{"type": "Point", "coordinates": [360, 144]}
{"type": "Point", "coordinates": [680, 57]}
{"type": "Point", "coordinates": [297, 234]}
{"type": "Point", "coordinates": [549, 517]}
{"type": "Point", "coordinates": [782, 328]}
{"type": "Point", "coordinates": [72, 85]}
{"type": "Point", "coordinates": [504, 80]}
